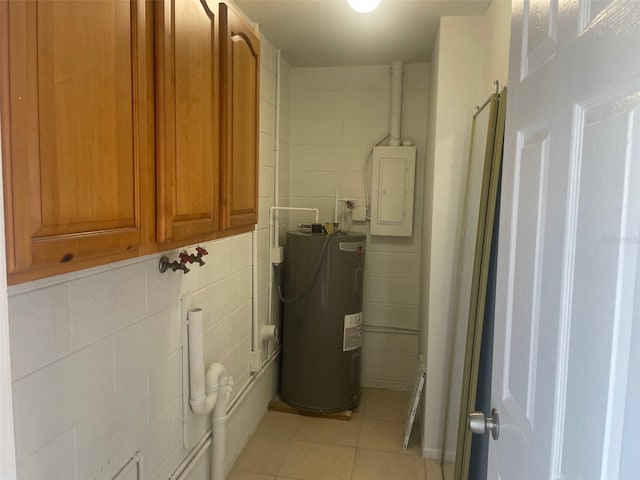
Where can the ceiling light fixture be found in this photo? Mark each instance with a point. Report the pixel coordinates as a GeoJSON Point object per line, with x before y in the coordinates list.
{"type": "Point", "coordinates": [364, 6]}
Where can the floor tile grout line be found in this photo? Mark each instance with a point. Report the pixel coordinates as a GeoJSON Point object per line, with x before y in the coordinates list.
{"type": "Point", "coordinates": [353, 462]}
{"type": "Point", "coordinates": [424, 468]}
{"type": "Point", "coordinates": [372, 399]}
{"type": "Point", "coordinates": [409, 454]}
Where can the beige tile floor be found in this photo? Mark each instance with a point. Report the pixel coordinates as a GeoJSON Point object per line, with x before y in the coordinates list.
{"type": "Point", "coordinates": [368, 447]}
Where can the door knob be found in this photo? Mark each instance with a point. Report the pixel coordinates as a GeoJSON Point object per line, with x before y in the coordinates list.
{"type": "Point", "coordinates": [480, 424]}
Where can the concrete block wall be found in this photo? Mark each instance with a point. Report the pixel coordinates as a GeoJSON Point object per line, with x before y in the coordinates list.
{"type": "Point", "coordinates": [97, 361]}
{"type": "Point", "coordinates": [96, 355]}
{"type": "Point", "coordinates": [337, 113]}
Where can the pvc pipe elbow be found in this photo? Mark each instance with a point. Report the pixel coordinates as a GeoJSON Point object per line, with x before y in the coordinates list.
{"type": "Point", "coordinates": [217, 386]}
{"type": "Point", "coordinates": [215, 377]}
{"type": "Point", "coordinates": [202, 406]}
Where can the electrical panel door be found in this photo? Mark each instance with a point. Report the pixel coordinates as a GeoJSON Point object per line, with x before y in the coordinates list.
{"type": "Point", "coordinates": [392, 191]}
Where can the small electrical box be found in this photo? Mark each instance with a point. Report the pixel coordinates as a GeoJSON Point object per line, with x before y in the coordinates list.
{"type": "Point", "coordinates": [359, 213]}
{"type": "Point", "coordinates": [392, 190]}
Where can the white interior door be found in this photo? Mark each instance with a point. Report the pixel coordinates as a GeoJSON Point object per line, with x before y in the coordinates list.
{"type": "Point", "coordinates": [567, 343]}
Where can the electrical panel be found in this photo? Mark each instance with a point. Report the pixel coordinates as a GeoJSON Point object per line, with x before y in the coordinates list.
{"type": "Point", "coordinates": [392, 191]}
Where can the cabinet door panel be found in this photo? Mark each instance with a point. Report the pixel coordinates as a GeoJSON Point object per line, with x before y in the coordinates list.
{"type": "Point", "coordinates": [77, 147]}
{"type": "Point", "coordinates": [188, 139]}
{"type": "Point", "coordinates": [240, 63]}
{"type": "Point", "coordinates": [85, 117]}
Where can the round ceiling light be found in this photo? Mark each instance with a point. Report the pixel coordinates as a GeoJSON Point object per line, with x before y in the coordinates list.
{"type": "Point", "coordinates": [363, 6]}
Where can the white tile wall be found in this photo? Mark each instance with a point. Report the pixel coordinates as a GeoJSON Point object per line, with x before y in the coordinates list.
{"type": "Point", "coordinates": [368, 78]}
{"type": "Point", "coordinates": [53, 460]}
{"type": "Point", "coordinates": [316, 79]}
{"type": "Point", "coordinates": [82, 411]}
{"type": "Point", "coordinates": [388, 359]}
{"type": "Point", "coordinates": [394, 315]}
{"type": "Point", "coordinates": [139, 348]}
{"type": "Point", "coordinates": [337, 113]}
{"type": "Point", "coordinates": [393, 264]}
{"type": "Point", "coordinates": [94, 314]}
{"type": "Point", "coordinates": [165, 384]}
{"type": "Point", "coordinates": [97, 355]}
{"type": "Point", "coordinates": [40, 332]}
{"type": "Point", "coordinates": [267, 153]}
{"type": "Point", "coordinates": [106, 439]}
{"type": "Point", "coordinates": [316, 131]}
{"type": "Point", "coordinates": [265, 185]}
{"type": "Point", "coordinates": [53, 398]}
{"type": "Point", "coordinates": [267, 112]}
{"type": "Point", "coordinates": [391, 290]}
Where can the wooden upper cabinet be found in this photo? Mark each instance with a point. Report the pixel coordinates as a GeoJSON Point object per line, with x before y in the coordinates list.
{"type": "Point", "coordinates": [187, 119]}
{"type": "Point", "coordinates": [127, 126]}
{"type": "Point", "coordinates": [240, 97]}
{"type": "Point", "coordinates": [77, 133]}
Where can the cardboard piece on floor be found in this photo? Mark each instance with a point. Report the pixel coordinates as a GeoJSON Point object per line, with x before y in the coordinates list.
{"type": "Point", "coordinates": [414, 400]}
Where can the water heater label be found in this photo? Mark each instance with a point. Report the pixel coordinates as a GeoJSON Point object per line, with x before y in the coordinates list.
{"type": "Point", "coordinates": [352, 332]}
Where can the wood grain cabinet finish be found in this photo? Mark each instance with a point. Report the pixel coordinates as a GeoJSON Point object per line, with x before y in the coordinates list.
{"type": "Point", "coordinates": [240, 90]}
{"type": "Point", "coordinates": [187, 119]}
{"type": "Point", "coordinates": [77, 133]}
{"type": "Point", "coordinates": [127, 127]}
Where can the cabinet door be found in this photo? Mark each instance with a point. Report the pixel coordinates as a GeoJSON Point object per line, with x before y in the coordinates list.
{"type": "Point", "coordinates": [187, 116]}
{"type": "Point", "coordinates": [240, 65]}
{"type": "Point", "coordinates": [77, 133]}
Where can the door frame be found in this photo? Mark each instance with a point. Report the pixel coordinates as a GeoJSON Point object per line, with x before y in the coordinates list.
{"type": "Point", "coordinates": [480, 278]}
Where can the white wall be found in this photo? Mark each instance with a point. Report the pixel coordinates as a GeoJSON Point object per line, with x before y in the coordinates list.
{"type": "Point", "coordinates": [337, 113]}
{"type": "Point", "coordinates": [96, 356]}
{"type": "Point", "coordinates": [498, 33]}
{"type": "Point", "coordinates": [470, 54]}
{"type": "Point", "coordinates": [425, 259]}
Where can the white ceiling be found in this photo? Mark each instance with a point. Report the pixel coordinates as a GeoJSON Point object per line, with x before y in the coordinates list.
{"type": "Point", "coordinates": [330, 33]}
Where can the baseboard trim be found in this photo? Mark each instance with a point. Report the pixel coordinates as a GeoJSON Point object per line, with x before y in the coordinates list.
{"type": "Point", "coordinates": [387, 385]}
{"type": "Point", "coordinates": [436, 454]}
{"type": "Point", "coordinates": [431, 453]}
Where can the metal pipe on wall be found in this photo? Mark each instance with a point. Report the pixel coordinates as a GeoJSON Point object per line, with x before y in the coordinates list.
{"type": "Point", "coordinates": [396, 103]}
{"type": "Point", "coordinates": [255, 347]}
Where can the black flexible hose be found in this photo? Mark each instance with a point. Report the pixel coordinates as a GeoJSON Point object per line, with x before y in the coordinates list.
{"type": "Point", "coordinates": [314, 275]}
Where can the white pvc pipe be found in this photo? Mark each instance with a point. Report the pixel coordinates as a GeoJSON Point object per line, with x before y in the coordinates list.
{"type": "Point", "coordinates": [396, 103]}
{"type": "Point", "coordinates": [274, 243]}
{"type": "Point", "coordinates": [184, 469]}
{"type": "Point", "coordinates": [274, 234]}
{"type": "Point", "coordinates": [276, 146]}
{"type": "Point", "coordinates": [218, 386]}
{"type": "Point", "coordinates": [269, 333]}
{"type": "Point", "coordinates": [219, 421]}
{"type": "Point", "coordinates": [209, 391]}
{"type": "Point", "coordinates": [254, 291]}
{"type": "Point", "coordinates": [197, 399]}
{"type": "Point", "coordinates": [276, 189]}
